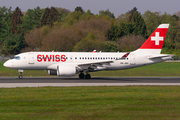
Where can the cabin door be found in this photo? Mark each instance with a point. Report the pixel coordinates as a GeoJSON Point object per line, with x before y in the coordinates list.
{"type": "Point", "coordinates": [31, 58]}
{"type": "Point", "coordinates": [132, 59]}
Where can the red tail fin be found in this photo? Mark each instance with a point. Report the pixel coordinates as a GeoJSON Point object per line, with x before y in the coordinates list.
{"type": "Point", "coordinates": [156, 40]}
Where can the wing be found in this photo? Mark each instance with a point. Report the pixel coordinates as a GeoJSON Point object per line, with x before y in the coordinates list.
{"type": "Point", "coordinates": [86, 66]}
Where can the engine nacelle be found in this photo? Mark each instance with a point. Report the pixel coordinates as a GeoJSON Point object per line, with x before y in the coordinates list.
{"type": "Point", "coordinates": [66, 70]}
{"type": "Point", "coordinates": [52, 72]}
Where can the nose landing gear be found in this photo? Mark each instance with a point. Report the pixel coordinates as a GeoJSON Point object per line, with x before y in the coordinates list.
{"type": "Point", "coordinates": [20, 76]}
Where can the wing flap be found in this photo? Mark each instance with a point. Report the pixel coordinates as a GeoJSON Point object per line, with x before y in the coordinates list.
{"type": "Point", "coordinates": [94, 65]}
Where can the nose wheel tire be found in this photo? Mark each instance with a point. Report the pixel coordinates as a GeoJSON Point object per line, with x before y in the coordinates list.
{"type": "Point", "coordinates": [20, 76]}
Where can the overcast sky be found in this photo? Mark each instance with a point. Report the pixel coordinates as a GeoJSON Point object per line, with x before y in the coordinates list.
{"type": "Point", "coordinates": [117, 7]}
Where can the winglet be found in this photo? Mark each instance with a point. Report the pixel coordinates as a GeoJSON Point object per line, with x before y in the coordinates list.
{"type": "Point", "coordinates": [124, 56]}
{"type": "Point", "coordinates": [94, 51]}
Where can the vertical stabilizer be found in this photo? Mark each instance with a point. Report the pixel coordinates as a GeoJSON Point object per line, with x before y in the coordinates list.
{"type": "Point", "coordinates": [155, 42]}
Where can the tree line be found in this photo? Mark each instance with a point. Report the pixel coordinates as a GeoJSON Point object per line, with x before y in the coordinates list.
{"type": "Point", "coordinates": [59, 29]}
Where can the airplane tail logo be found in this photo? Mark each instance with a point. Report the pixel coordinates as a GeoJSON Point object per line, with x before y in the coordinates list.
{"type": "Point", "coordinates": [156, 40]}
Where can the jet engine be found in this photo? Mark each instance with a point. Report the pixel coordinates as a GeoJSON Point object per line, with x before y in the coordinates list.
{"type": "Point", "coordinates": [68, 70]}
{"type": "Point", "coordinates": [52, 72]}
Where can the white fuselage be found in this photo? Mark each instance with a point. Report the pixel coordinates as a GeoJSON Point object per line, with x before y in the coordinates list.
{"type": "Point", "coordinates": [50, 60]}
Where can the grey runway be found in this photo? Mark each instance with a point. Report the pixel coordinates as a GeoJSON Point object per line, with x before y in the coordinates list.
{"type": "Point", "coordinates": [11, 82]}
{"type": "Point", "coordinates": [92, 80]}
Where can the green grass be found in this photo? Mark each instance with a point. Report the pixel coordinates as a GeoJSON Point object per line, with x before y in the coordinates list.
{"type": "Point", "coordinates": [12, 72]}
{"type": "Point", "coordinates": [91, 103]}
{"type": "Point", "coordinates": [159, 69]}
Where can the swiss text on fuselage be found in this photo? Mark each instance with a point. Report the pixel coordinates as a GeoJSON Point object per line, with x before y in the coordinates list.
{"type": "Point", "coordinates": [51, 58]}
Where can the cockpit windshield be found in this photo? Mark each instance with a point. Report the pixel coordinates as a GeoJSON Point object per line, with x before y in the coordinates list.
{"type": "Point", "coordinates": [15, 57]}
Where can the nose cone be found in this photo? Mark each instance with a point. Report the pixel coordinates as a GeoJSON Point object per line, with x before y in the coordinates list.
{"type": "Point", "coordinates": [7, 64]}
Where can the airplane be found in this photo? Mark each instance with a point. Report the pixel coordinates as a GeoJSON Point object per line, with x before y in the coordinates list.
{"type": "Point", "coordinates": [72, 63]}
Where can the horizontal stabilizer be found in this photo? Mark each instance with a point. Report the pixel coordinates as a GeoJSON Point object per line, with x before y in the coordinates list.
{"type": "Point", "coordinates": [159, 56]}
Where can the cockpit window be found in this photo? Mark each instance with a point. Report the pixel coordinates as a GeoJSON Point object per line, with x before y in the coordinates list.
{"type": "Point", "coordinates": [15, 57]}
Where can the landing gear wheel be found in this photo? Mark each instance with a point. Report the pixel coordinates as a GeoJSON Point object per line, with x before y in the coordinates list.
{"type": "Point", "coordinates": [20, 71]}
{"type": "Point", "coordinates": [88, 76]}
{"type": "Point", "coordinates": [20, 76]}
{"type": "Point", "coordinates": [81, 75]}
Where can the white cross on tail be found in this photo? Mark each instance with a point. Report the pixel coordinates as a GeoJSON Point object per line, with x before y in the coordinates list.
{"type": "Point", "coordinates": [157, 38]}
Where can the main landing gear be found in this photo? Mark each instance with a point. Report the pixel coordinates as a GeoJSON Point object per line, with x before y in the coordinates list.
{"type": "Point", "coordinates": [81, 75]}
{"type": "Point", "coordinates": [20, 76]}
{"type": "Point", "coordinates": [87, 76]}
